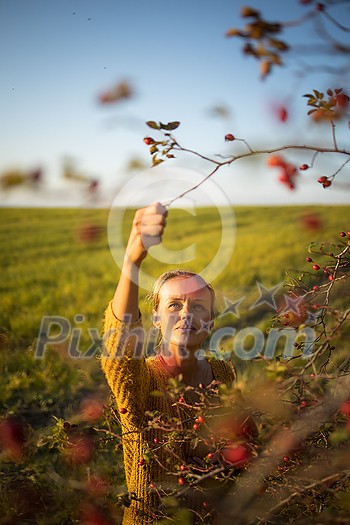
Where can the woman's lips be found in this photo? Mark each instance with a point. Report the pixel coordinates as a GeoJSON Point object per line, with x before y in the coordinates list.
{"type": "Point", "coordinates": [186, 328]}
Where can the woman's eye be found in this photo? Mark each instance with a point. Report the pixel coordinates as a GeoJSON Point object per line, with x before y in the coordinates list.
{"type": "Point", "coordinates": [174, 305]}
{"type": "Point", "coordinates": [198, 307]}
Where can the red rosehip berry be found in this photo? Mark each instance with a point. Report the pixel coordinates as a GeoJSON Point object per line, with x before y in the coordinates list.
{"type": "Point", "coordinates": [183, 468]}
{"type": "Point", "coordinates": [122, 410]}
{"type": "Point", "coordinates": [342, 234]}
{"type": "Point", "coordinates": [315, 288]}
{"type": "Point", "coordinates": [315, 267]}
{"type": "Point", "coordinates": [156, 441]}
{"type": "Point", "coordinates": [195, 427]}
{"type": "Point", "coordinates": [229, 137]}
{"type": "Point", "coordinates": [205, 505]}
{"type": "Point", "coordinates": [284, 177]}
{"type": "Point", "coordinates": [331, 254]}
{"type": "Point", "coordinates": [282, 114]}
{"type": "Point", "coordinates": [303, 404]}
{"type": "Point", "coordinates": [345, 408]}
{"type": "Point", "coordinates": [308, 259]}
{"type": "Point", "coordinates": [141, 462]}
{"type": "Point", "coordinates": [152, 485]}
{"type": "Point", "coordinates": [304, 167]}
{"type": "Point", "coordinates": [148, 141]}
{"type": "Point", "coordinates": [181, 481]}
{"type": "Point", "coordinates": [181, 400]}
{"type": "Point", "coordinates": [324, 181]}
{"type": "Point", "coordinates": [237, 455]}
{"type": "Point", "coordinates": [210, 455]}
{"type": "Point", "coordinates": [12, 437]}
{"type": "Point", "coordinates": [200, 419]}
{"type": "Point", "coordinates": [312, 376]}
{"type": "Point", "coordinates": [285, 459]}
{"type": "Point", "coordinates": [330, 278]}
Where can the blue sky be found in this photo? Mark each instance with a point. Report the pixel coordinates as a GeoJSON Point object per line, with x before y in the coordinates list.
{"type": "Point", "coordinates": [56, 57]}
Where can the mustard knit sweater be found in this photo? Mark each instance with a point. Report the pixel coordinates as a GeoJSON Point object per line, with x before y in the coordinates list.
{"type": "Point", "coordinates": [132, 379]}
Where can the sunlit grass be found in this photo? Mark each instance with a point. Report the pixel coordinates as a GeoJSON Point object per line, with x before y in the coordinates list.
{"type": "Point", "coordinates": [48, 270]}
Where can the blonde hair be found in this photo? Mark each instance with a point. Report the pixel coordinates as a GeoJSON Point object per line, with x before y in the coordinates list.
{"type": "Point", "coordinates": [154, 296]}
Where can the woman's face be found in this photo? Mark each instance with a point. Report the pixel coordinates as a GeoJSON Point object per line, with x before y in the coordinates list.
{"type": "Point", "coordinates": [184, 313]}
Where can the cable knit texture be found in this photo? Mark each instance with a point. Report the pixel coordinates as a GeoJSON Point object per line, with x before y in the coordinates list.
{"type": "Point", "coordinates": [132, 379]}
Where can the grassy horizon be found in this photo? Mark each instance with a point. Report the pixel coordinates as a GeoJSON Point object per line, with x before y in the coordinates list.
{"type": "Point", "coordinates": [50, 266]}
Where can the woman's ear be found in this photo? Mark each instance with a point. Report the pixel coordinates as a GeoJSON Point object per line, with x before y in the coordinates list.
{"type": "Point", "coordinates": [155, 319]}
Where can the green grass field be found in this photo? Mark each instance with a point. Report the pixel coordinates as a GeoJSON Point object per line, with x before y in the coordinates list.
{"type": "Point", "coordinates": [48, 270]}
{"type": "Point", "coordinates": [57, 262]}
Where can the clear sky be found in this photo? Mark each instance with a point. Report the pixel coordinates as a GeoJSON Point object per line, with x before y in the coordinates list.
{"type": "Point", "coordinates": [57, 57]}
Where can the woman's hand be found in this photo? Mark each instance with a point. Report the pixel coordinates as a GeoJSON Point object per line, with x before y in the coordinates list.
{"type": "Point", "coordinates": [147, 230]}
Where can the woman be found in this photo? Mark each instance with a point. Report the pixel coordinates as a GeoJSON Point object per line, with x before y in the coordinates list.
{"type": "Point", "coordinates": [183, 311]}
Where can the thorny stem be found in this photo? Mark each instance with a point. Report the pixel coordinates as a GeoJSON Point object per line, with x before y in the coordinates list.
{"type": "Point", "coordinates": [333, 135]}
{"type": "Point", "coordinates": [177, 147]}
{"type": "Point", "coordinates": [108, 432]}
{"type": "Point", "coordinates": [340, 168]}
{"type": "Point", "coordinates": [301, 20]}
{"type": "Point", "coordinates": [282, 443]}
{"type": "Point", "coordinates": [325, 344]}
{"type": "Point", "coordinates": [333, 478]}
{"type": "Point", "coordinates": [192, 187]}
{"type": "Point", "coordinates": [250, 153]}
{"type": "Point", "coordinates": [335, 22]}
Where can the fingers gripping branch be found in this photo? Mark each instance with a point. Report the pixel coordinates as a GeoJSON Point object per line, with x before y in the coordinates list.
{"type": "Point", "coordinates": [150, 225]}
{"type": "Point", "coordinates": [146, 231]}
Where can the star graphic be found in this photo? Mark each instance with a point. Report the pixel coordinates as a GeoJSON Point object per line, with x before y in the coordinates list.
{"type": "Point", "coordinates": [292, 304]}
{"type": "Point", "coordinates": [231, 307]}
{"type": "Point", "coordinates": [266, 296]}
{"type": "Point", "coordinates": [205, 326]}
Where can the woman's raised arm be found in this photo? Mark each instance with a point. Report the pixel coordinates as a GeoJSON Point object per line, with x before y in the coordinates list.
{"type": "Point", "coordinates": [146, 231]}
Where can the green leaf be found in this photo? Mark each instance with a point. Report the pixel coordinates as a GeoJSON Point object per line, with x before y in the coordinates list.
{"type": "Point", "coordinates": [152, 124]}
{"type": "Point", "coordinates": [170, 126]}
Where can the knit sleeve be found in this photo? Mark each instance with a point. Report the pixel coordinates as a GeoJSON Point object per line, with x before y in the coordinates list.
{"type": "Point", "coordinates": [125, 367]}
{"type": "Point", "coordinates": [223, 370]}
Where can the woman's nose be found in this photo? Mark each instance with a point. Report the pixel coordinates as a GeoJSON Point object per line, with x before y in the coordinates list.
{"type": "Point", "coordinates": [185, 312]}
